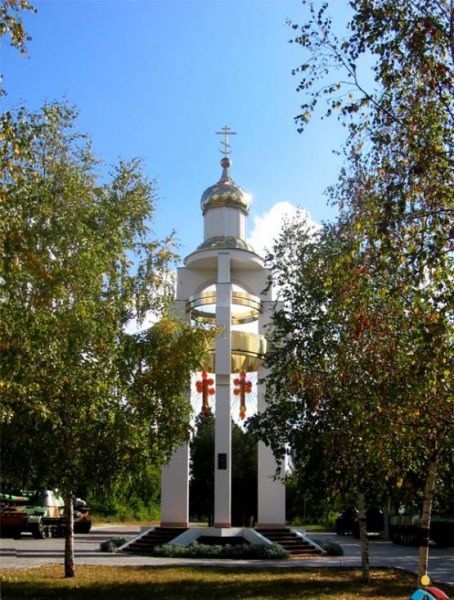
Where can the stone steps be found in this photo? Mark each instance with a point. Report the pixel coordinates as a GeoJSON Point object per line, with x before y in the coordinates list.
{"type": "Point", "coordinates": [156, 537]}
{"type": "Point", "coordinates": [290, 541]}
{"type": "Point", "coordinates": [293, 543]}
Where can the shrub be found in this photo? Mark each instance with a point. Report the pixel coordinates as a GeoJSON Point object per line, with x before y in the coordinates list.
{"type": "Point", "coordinates": [331, 548]}
{"type": "Point", "coordinates": [243, 551]}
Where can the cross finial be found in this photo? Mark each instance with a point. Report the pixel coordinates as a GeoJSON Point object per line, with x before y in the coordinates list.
{"type": "Point", "coordinates": [226, 147]}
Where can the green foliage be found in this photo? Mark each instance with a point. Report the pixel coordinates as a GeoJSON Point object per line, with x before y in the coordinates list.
{"type": "Point", "coordinates": [243, 551]}
{"type": "Point", "coordinates": [11, 25]}
{"type": "Point", "coordinates": [201, 496]}
{"type": "Point", "coordinates": [410, 46]}
{"type": "Point", "coordinates": [309, 493]}
{"type": "Point", "coordinates": [316, 398]}
{"type": "Point", "coordinates": [244, 477]}
{"type": "Point", "coordinates": [362, 351]}
{"type": "Point", "coordinates": [82, 402]}
{"type": "Point", "coordinates": [131, 497]}
{"type": "Point", "coordinates": [244, 473]}
{"type": "Point", "coordinates": [361, 356]}
{"type": "Point", "coordinates": [331, 548]}
{"type": "Point", "coordinates": [11, 22]}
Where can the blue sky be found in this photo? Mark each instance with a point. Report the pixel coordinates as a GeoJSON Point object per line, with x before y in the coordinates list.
{"type": "Point", "coordinates": [156, 79]}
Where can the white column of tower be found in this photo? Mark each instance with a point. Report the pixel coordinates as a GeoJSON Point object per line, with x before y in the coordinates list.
{"type": "Point", "coordinates": [175, 474]}
{"type": "Point", "coordinates": [223, 427]}
{"type": "Point", "coordinates": [271, 491]}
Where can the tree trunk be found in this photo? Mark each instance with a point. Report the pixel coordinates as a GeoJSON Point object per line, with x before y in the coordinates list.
{"type": "Point", "coordinates": [425, 519]}
{"type": "Point", "coordinates": [364, 542]}
{"type": "Point", "coordinates": [386, 524]}
{"type": "Point", "coordinates": [69, 537]}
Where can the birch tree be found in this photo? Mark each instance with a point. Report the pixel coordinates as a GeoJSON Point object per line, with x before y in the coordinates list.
{"type": "Point", "coordinates": [81, 400]}
{"type": "Point", "coordinates": [384, 293]}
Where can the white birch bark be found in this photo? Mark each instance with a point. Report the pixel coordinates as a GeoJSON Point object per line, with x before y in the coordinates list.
{"type": "Point", "coordinates": [425, 519]}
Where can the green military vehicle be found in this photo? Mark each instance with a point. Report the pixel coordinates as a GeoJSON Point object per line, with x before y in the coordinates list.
{"type": "Point", "coordinates": [40, 513]}
{"type": "Point", "coordinates": [406, 529]}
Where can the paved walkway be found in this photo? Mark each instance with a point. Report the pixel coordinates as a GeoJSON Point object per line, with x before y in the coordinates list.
{"type": "Point", "coordinates": [27, 552]}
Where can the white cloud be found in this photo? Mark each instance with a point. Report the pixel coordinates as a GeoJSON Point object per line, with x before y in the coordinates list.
{"type": "Point", "coordinates": [266, 227]}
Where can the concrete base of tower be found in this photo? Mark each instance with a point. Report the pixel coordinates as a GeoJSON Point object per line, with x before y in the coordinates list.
{"type": "Point", "coordinates": [192, 534]}
{"type": "Point", "coordinates": [174, 524]}
{"type": "Point", "coordinates": [222, 525]}
{"type": "Point", "coordinates": [271, 490]}
{"type": "Point", "coordinates": [175, 489]}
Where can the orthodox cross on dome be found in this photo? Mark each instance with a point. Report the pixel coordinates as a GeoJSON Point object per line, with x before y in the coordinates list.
{"type": "Point", "coordinates": [226, 147]}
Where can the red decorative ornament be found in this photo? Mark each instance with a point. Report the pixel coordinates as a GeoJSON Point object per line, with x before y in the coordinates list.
{"type": "Point", "coordinates": [243, 387]}
{"type": "Point", "coordinates": [204, 387]}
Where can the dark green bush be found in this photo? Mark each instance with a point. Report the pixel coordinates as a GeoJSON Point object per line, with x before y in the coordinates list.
{"type": "Point", "coordinates": [331, 548]}
{"type": "Point", "coordinates": [129, 498]}
{"type": "Point", "coordinates": [244, 551]}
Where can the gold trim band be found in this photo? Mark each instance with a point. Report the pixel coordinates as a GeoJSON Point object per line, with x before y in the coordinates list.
{"type": "Point", "coordinates": [238, 299]}
{"type": "Point", "coordinates": [247, 352]}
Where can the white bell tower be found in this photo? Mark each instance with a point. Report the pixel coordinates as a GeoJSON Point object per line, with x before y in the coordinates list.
{"type": "Point", "coordinates": [225, 280]}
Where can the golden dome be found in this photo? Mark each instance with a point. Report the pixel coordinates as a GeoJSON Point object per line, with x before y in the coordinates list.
{"type": "Point", "coordinates": [225, 192]}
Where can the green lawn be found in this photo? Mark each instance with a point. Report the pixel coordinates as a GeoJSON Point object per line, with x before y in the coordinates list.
{"type": "Point", "coordinates": [153, 583]}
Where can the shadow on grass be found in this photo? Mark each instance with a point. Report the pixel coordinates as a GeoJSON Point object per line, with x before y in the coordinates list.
{"type": "Point", "coordinates": [124, 583]}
